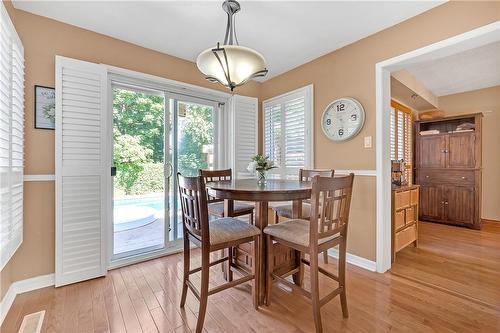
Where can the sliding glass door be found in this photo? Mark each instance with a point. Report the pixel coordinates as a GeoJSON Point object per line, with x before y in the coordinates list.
{"type": "Point", "coordinates": [155, 135]}
{"type": "Point", "coordinates": [193, 137]}
{"type": "Point", "coordinates": [141, 171]}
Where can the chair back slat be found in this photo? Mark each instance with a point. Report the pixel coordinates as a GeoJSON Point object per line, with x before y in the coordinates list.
{"type": "Point", "coordinates": [306, 175]}
{"type": "Point", "coordinates": [215, 176]}
{"type": "Point", "coordinates": [330, 205]}
{"type": "Point", "coordinates": [193, 199]}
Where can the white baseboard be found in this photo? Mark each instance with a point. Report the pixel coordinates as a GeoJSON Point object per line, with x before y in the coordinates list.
{"type": "Point", "coordinates": [355, 260]}
{"type": "Point", "coordinates": [20, 287]}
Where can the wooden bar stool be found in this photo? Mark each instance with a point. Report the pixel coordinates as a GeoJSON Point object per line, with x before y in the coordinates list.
{"type": "Point", "coordinates": [326, 228]}
{"type": "Point", "coordinates": [286, 210]}
{"type": "Point", "coordinates": [218, 234]}
{"type": "Point", "coordinates": [216, 206]}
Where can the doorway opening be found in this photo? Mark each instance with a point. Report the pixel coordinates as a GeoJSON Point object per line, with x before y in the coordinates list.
{"type": "Point", "coordinates": [436, 113]}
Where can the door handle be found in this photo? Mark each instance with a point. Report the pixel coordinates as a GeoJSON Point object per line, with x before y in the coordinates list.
{"type": "Point", "coordinates": [113, 171]}
{"type": "Point", "coordinates": [170, 171]}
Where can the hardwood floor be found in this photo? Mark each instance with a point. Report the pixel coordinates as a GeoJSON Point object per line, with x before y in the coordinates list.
{"type": "Point", "coordinates": [457, 260]}
{"type": "Point", "coordinates": [145, 298]}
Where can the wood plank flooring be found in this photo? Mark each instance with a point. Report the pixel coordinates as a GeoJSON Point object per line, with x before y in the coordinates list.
{"type": "Point", "coordinates": [458, 260]}
{"type": "Point", "coordinates": [145, 298]}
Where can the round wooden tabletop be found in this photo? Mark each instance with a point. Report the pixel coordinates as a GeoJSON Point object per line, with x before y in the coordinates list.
{"type": "Point", "coordinates": [249, 190]}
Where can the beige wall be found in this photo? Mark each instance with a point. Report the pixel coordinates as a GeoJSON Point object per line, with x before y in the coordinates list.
{"type": "Point", "coordinates": [480, 101]}
{"type": "Point", "coordinates": [44, 38]}
{"type": "Point", "coordinates": [350, 71]}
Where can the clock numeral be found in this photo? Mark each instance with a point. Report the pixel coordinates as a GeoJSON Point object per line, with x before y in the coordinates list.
{"type": "Point", "coordinates": [341, 132]}
{"type": "Point", "coordinates": [341, 107]}
{"type": "Point", "coordinates": [328, 121]}
{"type": "Point", "coordinates": [354, 117]}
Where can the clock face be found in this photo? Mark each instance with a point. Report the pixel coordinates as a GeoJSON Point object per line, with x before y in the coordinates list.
{"type": "Point", "coordinates": [343, 119]}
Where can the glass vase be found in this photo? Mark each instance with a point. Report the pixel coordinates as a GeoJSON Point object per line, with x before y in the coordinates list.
{"type": "Point", "coordinates": [261, 177]}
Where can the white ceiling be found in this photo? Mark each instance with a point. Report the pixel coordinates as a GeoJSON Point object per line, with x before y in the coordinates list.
{"type": "Point", "coordinates": [287, 33]}
{"type": "Point", "coordinates": [474, 69]}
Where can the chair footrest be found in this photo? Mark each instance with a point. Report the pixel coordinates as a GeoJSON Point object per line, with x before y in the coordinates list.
{"type": "Point", "coordinates": [330, 296]}
{"type": "Point", "coordinates": [230, 284]}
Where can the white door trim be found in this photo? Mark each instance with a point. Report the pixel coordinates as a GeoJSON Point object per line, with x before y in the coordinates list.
{"type": "Point", "coordinates": [469, 40]}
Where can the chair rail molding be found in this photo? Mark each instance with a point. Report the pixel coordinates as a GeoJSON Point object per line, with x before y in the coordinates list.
{"type": "Point", "coordinates": [39, 178]}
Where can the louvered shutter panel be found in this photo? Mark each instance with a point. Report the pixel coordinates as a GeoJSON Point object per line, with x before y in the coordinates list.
{"type": "Point", "coordinates": [244, 134]}
{"type": "Point", "coordinates": [5, 136]}
{"type": "Point", "coordinates": [393, 134]}
{"type": "Point", "coordinates": [82, 174]}
{"type": "Point", "coordinates": [294, 143]}
{"type": "Point", "coordinates": [17, 142]}
{"type": "Point", "coordinates": [11, 138]}
{"type": "Point", "coordinates": [272, 133]}
{"type": "Point", "coordinates": [287, 132]}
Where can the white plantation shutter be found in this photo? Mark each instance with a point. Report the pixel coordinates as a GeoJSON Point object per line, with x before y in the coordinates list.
{"type": "Point", "coordinates": [401, 139]}
{"type": "Point", "coordinates": [272, 133]}
{"type": "Point", "coordinates": [82, 173]}
{"type": "Point", "coordinates": [11, 138]}
{"type": "Point", "coordinates": [244, 133]}
{"type": "Point", "coordinates": [288, 132]}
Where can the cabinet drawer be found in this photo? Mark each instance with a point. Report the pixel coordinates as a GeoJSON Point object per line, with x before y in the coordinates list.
{"type": "Point", "coordinates": [401, 199]}
{"type": "Point", "coordinates": [414, 197]}
{"type": "Point", "coordinates": [399, 219]}
{"type": "Point", "coordinates": [405, 237]}
{"type": "Point", "coordinates": [455, 177]}
{"type": "Point", "coordinates": [410, 215]}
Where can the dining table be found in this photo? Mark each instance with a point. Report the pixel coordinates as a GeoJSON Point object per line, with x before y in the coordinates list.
{"type": "Point", "coordinates": [286, 260]}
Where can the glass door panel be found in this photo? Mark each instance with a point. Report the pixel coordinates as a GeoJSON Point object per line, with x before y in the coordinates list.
{"type": "Point", "coordinates": [140, 202]}
{"type": "Point", "coordinates": [193, 138]}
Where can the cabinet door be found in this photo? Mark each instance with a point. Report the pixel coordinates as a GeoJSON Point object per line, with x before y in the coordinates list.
{"type": "Point", "coordinates": [431, 202]}
{"type": "Point", "coordinates": [460, 204]}
{"type": "Point", "coordinates": [432, 151]}
{"type": "Point", "coordinates": [460, 151]}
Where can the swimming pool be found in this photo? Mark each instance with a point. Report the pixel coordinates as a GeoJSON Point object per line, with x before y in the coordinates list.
{"type": "Point", "coordinates": [137, 211]}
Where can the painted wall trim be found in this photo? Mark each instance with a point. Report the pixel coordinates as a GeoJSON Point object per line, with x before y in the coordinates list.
{"type": "Point", "coordinates": [20, 287]}
{"type": "Point", "coordinates": [369, 173]}
{"type": "Point", "coordinates": [355, 260]}
{"type": "Point", "coordinates": [39, 178]}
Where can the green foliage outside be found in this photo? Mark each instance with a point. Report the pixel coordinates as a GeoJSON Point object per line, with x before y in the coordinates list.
{"type": "Point", "coordinates": [138, 127]}
{"type": "Point", "coordinates": [197, 132]}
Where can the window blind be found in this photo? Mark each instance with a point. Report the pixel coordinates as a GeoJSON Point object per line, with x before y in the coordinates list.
{"type": "Point", "coordinates": [401, 139]}
{"type": "Point", "coordinates": [288, 132]}
{"type": "Point", "coordinates": [11, 138]}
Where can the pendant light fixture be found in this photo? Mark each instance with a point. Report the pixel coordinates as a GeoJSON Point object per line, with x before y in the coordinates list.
{"type": "Point", "coordinates": [231, 64]}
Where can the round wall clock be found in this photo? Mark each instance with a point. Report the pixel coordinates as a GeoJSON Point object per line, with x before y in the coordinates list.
{"type": "Point", "coordinates": [343, 119]}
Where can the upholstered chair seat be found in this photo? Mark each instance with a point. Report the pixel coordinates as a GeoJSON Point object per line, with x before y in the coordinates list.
{"type": "Point", "coordinates": [229, 229]}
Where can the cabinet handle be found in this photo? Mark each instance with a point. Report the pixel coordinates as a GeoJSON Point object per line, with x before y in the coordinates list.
{"type": "Point", "coordinates": [463, 177]}
{"type": "Point", "coordinates": [442, 202]}
{"type": "Point", "coordinates": [426, 176]}
{"type": "Point", "coordinates": [446, 202]}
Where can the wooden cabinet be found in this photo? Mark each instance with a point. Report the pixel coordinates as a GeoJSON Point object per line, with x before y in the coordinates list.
{"type": "Point", "coordinates": [448, 168]}
{"type": "Point", "coordinates": [433, 156]}
{"type": "Point", "coordinates": [431, 202]}
{"type": "Point", "coordinates": [405, 202]}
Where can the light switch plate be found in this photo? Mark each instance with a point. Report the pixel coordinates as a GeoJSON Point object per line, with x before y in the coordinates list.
{"type": "Point", "coordinates": [368, 141]}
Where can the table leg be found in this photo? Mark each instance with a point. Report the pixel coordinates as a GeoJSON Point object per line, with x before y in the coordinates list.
{"type": "Point", "coordinates": [261, 221]}
{"type": "Point", "coordinates": [228, 212]}
{"type": "Point", "coordinates": [296, 214]}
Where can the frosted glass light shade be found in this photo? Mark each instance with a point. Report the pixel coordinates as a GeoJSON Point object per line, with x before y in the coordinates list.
{"type": "Point", "coordinates": [242, 64]}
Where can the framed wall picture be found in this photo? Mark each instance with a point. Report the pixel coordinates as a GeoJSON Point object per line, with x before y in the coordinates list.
{"type": "Point", "coordinates": [45, 107]}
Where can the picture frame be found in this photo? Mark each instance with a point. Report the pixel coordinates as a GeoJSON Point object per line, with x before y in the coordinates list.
{"type": "Point", "coordinates": [44, 107]}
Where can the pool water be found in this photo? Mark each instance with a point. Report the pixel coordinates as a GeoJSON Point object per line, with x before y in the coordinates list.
{"type": "Point", "coordinates": [137, 211]}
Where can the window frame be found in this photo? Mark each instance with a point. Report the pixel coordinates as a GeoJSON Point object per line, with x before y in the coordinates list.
{"type": "Point", "coordinates": [305, 92]}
